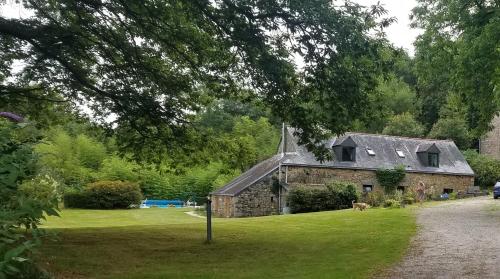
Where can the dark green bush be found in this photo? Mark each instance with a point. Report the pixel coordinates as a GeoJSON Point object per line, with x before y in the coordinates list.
{"type": "Point", "coordinates": [105, 195]}
{"type": "Point", "coordinates": [338, 195]}
{"type": "Point", "coordinates": [76, 199]}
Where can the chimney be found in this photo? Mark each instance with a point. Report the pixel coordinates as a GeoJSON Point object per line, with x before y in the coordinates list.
{"type": "Point", "coordinates": [284, 139]}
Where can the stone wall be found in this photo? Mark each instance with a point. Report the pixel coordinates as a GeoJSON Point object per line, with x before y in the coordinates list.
{"type": "Point", "coordinates": [490, 144]}
{"type": "Point", "coordinates": [256, 200]}
{"type": "Point", "coordinates": [260, 200]}
{"type": "Point", "coordinates": [320, 176]}
{"type": "Point", "coordinates": [223, 206]}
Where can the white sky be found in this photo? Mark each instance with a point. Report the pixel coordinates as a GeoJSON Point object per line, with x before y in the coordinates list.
{"type": "Point", "coordinates": [398, 33]}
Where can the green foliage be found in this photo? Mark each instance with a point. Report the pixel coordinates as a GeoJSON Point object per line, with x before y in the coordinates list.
{"type": "Point", "coordinates": [198, 182]}
{"type": "Point", "coordinates": [116, 168]}
{"type": "Point", "coordinates": [398, 96]}
{"type": "Point", "coordinates": [43, 188]}
{"type": "Point", "coordinates": [90, 152]}
{"type": "Point", "coordinates": [390, 178]}
{"type": "Point", "coordinates": [261, 134]}
{"type": "Point", "coordinates": [452, 123]}
{"type": "Point", "coordinates": [197, 52]}
{"type": "Point", "coordinates": [395, 93]}
{"type": "Point", "coordinates": [105, 195]}
{"type": "Point", "coordinates": [374, 198]}
{"type": "Point", "coordinates": [70, 153]}
{"type": "Point", "coordinates": [154, 185]}
{"type": "Point", "coordinates": [75, 159]}
{"type": "Point", "coordinates": [20, 210]}
{"type": "Point", "coordinates": [338, 195]}
{"type": "Point", "coordinates": [392, 203]}
{"type": "Point", "coordinates": [76, 199]}
{"type": "Point", "coordinates": [408, 199]}
{"type": "Point", "coordinates": [453, 129]}
{"type": "Point", "coordinates": [486, 169]}
{"type": "Point", "coordinates": [404, 125]}
{"type": "Point", "coordinates": [458, 52]}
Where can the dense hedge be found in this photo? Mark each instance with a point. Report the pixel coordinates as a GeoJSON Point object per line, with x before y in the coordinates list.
{"type": "Point", "coordinates": [105, 195]}
{"type": "Point", "coordinates": [338, 195]}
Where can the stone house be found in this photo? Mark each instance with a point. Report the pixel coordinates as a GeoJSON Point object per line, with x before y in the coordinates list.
{"type": "Point", "coordinates": [262, 190]}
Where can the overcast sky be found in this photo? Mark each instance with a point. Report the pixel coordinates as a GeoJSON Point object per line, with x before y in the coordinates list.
{"type": "Point", "coordinates": [399, 33]}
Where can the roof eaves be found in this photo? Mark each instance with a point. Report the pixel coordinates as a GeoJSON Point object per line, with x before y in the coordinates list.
{"type": "Point", "coordinates": [373, 169]}
{"type": "Point", "coordinates": [248, 185]}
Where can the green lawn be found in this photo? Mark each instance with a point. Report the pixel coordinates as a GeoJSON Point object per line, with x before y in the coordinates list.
{"type": "Point", "coordinates": [167, 243]}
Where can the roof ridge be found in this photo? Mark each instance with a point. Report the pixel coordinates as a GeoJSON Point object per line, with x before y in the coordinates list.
{"type": "Point", "coordinates": [400, 137]}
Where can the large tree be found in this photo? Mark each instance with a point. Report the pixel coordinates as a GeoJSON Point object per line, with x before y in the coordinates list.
{"type": "Point", "coordinates": [459, 52]}
{"type": "Point", "coordinates": [155, 63]}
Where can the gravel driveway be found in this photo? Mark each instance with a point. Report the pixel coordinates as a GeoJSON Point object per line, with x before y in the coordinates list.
{"type": "Point", "coordinates": [459, 239]}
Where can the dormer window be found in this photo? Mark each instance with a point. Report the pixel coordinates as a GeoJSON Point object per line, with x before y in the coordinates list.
{"type": "Point", "coordinates": [433, 160]}
{"type": "Point", "coordinates": [429, 155]}
{"type": "Point", "coordinates": [345, 150]}
{"type": "Point", "coordinates": [348, 154]}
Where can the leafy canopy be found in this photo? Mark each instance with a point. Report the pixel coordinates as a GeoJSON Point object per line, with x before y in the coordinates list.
{"type": "Point", "coordinates": [405, 125]}
{"type": "Point", "coordinates": [155, 63]}
{"type": "Point", "coordinates": [459, 52]}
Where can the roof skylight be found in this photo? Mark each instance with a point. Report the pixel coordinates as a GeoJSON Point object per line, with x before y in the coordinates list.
{"type": "Point", "coordinates": [400, 153]}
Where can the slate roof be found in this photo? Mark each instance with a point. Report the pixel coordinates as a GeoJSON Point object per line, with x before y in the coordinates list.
{"type": "Point", "coordinates": [451, 160]}
{"type": "Point", "coordinates": [251, 176]}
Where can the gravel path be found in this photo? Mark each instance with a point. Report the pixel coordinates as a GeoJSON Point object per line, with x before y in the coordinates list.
{"type": "Point", "coordinates": [459, 239]}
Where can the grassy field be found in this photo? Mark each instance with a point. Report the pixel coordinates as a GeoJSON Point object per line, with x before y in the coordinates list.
{"type": "Point", "coordinates": [168, 243]}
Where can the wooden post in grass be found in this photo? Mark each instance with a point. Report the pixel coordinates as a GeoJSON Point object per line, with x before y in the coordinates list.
{"type": "Point", "coordinates": [209, 219]}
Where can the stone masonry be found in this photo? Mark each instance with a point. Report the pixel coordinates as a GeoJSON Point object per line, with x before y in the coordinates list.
{"type": "Point", "coordinates": [320, 176]}
{"type": "Point", "coordinates": [490, 144]}
{"type": "Point", "coordinates": [260, 200]}
{"type": "Point", "coordinates": [256, 200]}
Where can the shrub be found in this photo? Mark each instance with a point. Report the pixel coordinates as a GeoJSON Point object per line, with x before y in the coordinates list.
{"type": "Point", "coordinates": [76, 199]}
{"type": "Point", "coordinates": [43, 188]}
{"type": "Point", "coordinates": [390, 178]}
{"type": "Point", "coordinates": [346, 193]}
{"type": "Point", "coordinates": [374, 199]}
{"type": "Point", "coordinates": [337, 195]}
{"type": "Point", "coordinates": [408, 200]}
{"type": "Point", "coordinates": [392, 203]}
{"type": "Point", "coordinates": [486, 169]}
{"type": "Point", "coordinates": [105, 195]}
{"type": "Point", "coordinates": [398, 196]}
{"type": "Point", "coordinates": [20, 213]}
